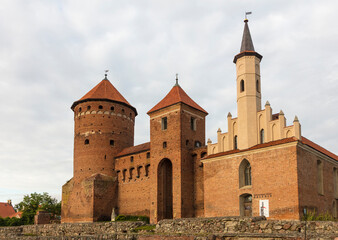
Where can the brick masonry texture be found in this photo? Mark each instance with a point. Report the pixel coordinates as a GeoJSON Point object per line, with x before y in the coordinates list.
{"type": "Point", "coordinates": [193, 228]}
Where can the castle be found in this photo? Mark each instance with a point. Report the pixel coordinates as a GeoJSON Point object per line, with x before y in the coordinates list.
{"type": "Point", "coordinates": [259, 167]}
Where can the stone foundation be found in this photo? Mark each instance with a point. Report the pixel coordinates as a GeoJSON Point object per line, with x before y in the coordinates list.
{"type": "Point", "coordinates": [225, 228]}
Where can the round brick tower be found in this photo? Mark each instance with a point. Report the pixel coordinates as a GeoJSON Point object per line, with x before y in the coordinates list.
{"type": "Point", "coordinates": [104, 125]}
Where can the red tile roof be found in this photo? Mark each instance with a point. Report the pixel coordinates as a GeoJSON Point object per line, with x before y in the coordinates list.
{"type": "Point", "coordinates": [319, 148]}
{"type": "Point", "coordinates": [277, 142]}
{"type": "Point", "coordinates": [135, 149]}
{"type": "Point", "coordinates": [6, 210]}
{"type": "Point", "coordinates": [176, 95]}
{"type": "Point", "coordinates": [105, 91]}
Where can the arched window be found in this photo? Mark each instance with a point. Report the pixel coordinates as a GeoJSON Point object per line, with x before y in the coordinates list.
{"type": "Point", "coordinates": [244, 173]}
{"type": "Point", "coordinates": [262, 136]}
{"type": "Point", "coordinates": [86, 141]}
{"type": "Point", "coordinates": [242, 85]}
{"type": "Point", "coordinates": [257, 86]}
{"type": "Point", "coordinates": [235, 142]}
{"type": "Point", "coordinates": [100, 107]}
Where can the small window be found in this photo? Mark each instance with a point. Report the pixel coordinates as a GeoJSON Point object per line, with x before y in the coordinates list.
{"type": "Point", "coordinates": [193, 123]}
{"type": "Point", "coordinates": [130, 115]}
{"type": "Point", "coordinates": [86, 141]}
{"type": "Point", "coordinates": [164, 144]}
{"type": "Point", "coordinates": [235, 142]}
{"type": "Point", "coordinates": [122, 110]}
{"type": "Point", "coordinates": [320, 183]}
{"type": "Point", "coordinates": [257, 86]}
{"type": "Point", "coordinates": [80, 109]}
{"type": "Point", "coordinates": [242, 85]}
{"type": "Point", "coordinates": [164, 123]}
{"type": "Point", "coordinates": [111, 142]}
{"type": "Point", "coordinates": [147, 170]}
{"type": "Point", "coordinates": [100, 107]}
{"type": "Point", "coordinates": [262, 136]}
{"type": "Point", "coordinates": [88, 107]}
{"type": "Point", "coordinates": [187, 142]}
{"type": "Point", "coordinates": [112, 108]}
{"type": "Point", "coordinates": [198, 144]}
{"type": "Point", "coordinates": [124, 174]}
{"type": "Point", "coordinates": [131, 159]}
{"type": "Point", "coordinates": [148, 154]}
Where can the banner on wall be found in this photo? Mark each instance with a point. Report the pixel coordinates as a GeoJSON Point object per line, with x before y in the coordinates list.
{"type": "Point", "coordinates": [264, 208]}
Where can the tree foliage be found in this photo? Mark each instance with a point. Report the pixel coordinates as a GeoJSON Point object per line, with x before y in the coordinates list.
{"type": "Point", "coordinates": [36, 201]}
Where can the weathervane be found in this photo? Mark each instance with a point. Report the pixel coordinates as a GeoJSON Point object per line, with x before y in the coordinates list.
{"type": "Point", "coordinates": [247, 13]}
{"type": "Point", "coordinates": [105, 75]}
{"type": "Point", "coordinates": [176, 79]}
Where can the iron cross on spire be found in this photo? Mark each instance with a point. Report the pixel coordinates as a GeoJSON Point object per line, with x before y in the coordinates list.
{"type": "Point", "coordinates": [176, 79]}
{"type": "Point", "coordinates": [106, 73]}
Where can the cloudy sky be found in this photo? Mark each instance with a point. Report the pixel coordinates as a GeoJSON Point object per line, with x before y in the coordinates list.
{"type": "Point", "coordinates": [53, 52]}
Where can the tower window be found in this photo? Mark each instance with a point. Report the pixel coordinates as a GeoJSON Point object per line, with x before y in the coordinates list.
{"type": "Point", "coordinates": [148, 154]}
{"type": "Point", "coordinates": [242, 85]}
{"type": "Point", "coordinates": [235, 142]}
{"type": "Point", "coordinates": [131, 159]}
{"type": "Point", "coordinates": [262, 136]}
{"type": "Point", "coordinates": [257, 86]}
{"type": "Point", "coordinates": [164, 124]}
{"type": "Point", "coordinates": [164, 144]}
{"type": "Point", "coordinates": [100, 107]}
{"type": "Point", "coordinates": [193, 123]}
{"type": "Point", "coordinates": [111, 142]}
{"type": "Point", "coordinates": [122, 110]}
{"type": "Point", "coordinates": [112, 108]}
{"type": "Point", "coordinates": [88, 107]}
{"type": "Point", "coordinates": [198, 144]}
{"type": "Point", "coordinates": [80, 109]}
{"type": "Point", "coordinates": [86, 141]}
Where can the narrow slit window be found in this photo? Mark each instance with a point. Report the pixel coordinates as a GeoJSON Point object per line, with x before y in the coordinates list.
{"type": "Point", "coordinates": [112, 142]}
{"type": "Point", "coordinates": [193, 123]}
{"type": "Point", "coordinates": [86, 142]}
{"type": "Point", "coordinates": [164, 123]}
{"type": "Point", "coordinates": [242, 85]}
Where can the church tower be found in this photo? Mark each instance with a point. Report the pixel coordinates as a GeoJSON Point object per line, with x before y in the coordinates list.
{"type": "Point", "coordinates": [177, 125]}
{"type": "Point", "coordinates": [248, 90]}
{"type": "Point", "coordinates": [104, 125]}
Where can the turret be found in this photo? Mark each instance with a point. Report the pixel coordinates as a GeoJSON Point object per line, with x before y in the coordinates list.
{"type": "Point", "coordinates": [104, 125]}
{"type": "Point", "coordinates": [248, 90]}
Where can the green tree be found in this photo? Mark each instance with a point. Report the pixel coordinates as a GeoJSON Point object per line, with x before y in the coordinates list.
{"type": "Point", "coordinates": [36, 201]}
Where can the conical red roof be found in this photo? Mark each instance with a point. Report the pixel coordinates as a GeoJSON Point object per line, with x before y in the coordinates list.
{"type": "Point", "coordinates": [104, 91]}
{"type": "Point", "coordinates": [176, 95]}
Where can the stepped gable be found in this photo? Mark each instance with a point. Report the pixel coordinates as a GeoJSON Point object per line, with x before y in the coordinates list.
{"type": "Point", "coordinates": [176, 95]}
{"type": "Point", "coordinates": [104, 91]}
{"type": "Point", "coordinates": [135, 149]}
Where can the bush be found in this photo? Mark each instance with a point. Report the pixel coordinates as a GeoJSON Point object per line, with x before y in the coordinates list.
{"type": "Point", "coordinates": [314, 216]}
{"type": "Point", "coordinates": [4, 222]}
{"type": "Point", "coordinates": [132, 218]}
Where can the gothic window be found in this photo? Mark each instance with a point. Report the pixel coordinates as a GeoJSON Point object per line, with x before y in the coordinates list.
{"type": "Point", "coordinates": [242, 85]}
{"type": "Point", "coordinates": [235, 142]}
{"type": "Point", "coordinates": [111, 142]}
{"type": "Point", "coordinates": [86, 141]}
{"type": "Point", "coordinates": [164, 123]}
{"type": "Point", "coordinates": [262, 136]}
{"type": "Point", "coordinates": [244, 173]}
{"type": "Point", "coordinates": [193, 123]}
{"type": "Point", "coordinates": [320, 184]}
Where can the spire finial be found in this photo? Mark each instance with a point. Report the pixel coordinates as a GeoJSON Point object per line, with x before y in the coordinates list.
{"type": "Point", "coordinates": [176, 80]}
{"type": "Point", "coordinates": [105, 75]}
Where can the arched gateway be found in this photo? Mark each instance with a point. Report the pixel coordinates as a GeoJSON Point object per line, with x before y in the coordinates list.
{"type": "Point", "coordinates": [165, 189]}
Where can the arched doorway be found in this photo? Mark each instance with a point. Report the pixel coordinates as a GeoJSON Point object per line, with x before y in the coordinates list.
{"type": "Point", "coordinates": [245, 201]}
{"type": "Point", "coordinates": [165, 189]}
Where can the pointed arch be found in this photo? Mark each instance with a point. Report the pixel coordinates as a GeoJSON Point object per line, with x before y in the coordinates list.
{"type": "Point", "coordinates": [244, 173]}
{"type": "Point", "coordinates": [165, 189]}
{"type": "Point", "coordinates": [242, 87]}
{"type": "Point", "coordinates": [261, 136]}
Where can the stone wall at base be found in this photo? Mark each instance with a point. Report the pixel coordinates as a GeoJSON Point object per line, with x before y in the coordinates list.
{"type": "Point", "coordinates": [180, 229]}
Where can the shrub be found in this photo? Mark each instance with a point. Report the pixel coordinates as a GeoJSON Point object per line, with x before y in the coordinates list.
{"type": "Point", "coordinates": [132, 218]}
